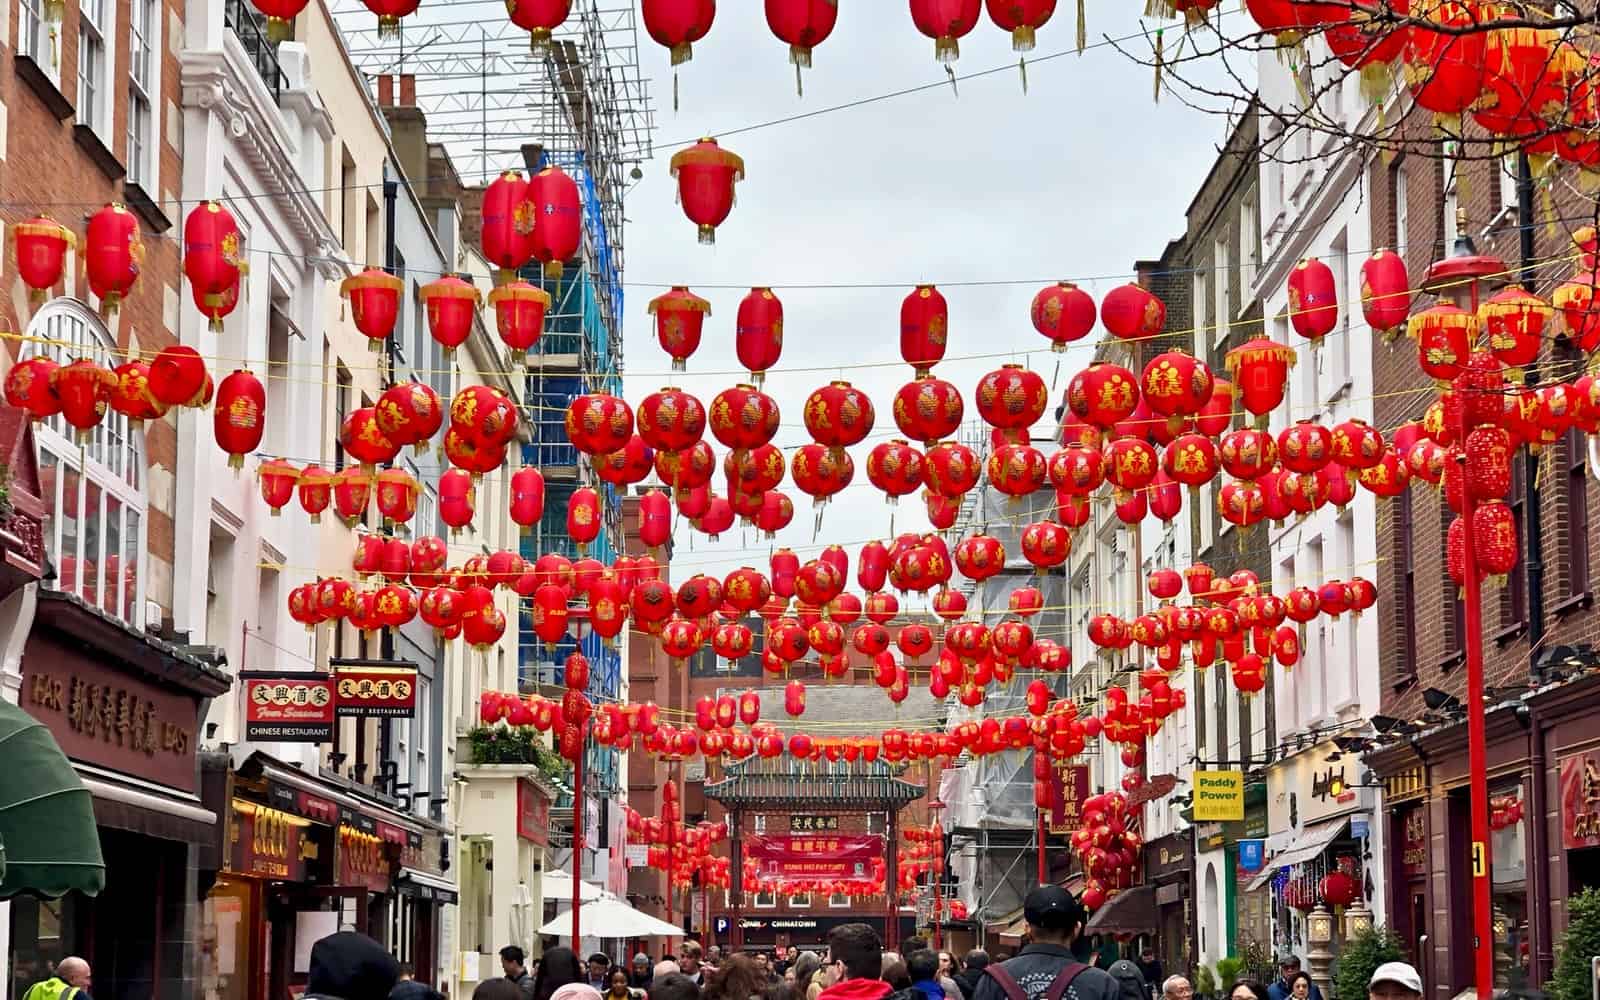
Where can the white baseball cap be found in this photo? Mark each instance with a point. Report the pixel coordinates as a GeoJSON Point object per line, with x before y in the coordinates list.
{"type": "Point", "coordinates": [1397, 972]}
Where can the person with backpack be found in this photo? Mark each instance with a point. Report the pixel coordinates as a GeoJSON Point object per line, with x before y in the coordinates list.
{"type": "Point", "coordinates": [1046, 968]}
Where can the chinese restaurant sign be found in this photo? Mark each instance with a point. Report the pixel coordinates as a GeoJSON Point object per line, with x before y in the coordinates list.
{"type": "Point", "coordinates": [288, 708]}
{"type": "Point", "coordinates": [822, 855]}
{"type": "Point", "coordinates": [1070, 786]}
{"type": "Point", "coordinates": [533, 813]}
{"type": "Point", "coordinates": [1580, 801]}
{"type": "Point", "coordinates": [268, 842]}
{"type": "Point", "coordinates": [813, 824]}
{"type": "Point", "coordinates": [1219, 796]}
{"type": "Point", "coordinates": [370, 691]}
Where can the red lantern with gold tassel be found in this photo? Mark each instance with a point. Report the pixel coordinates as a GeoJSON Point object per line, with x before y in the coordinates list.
{"type": "Point", "coordinates": [389, 14]}
{"type": "Point", "coordinates": [456, 495]}
{"type": "Point", "coordinates": [178, 376]}
{"type": "Point", "coordinates": [1444, 335]}
{"type": "Point", "coordinates": [598, 424]}
{"type": "Point", "coordinates": [213, 257]}
{"type": "Point", "coordinates": [352, 489]}
{"type": "Point", "coordinates": [1385, 292]}
{"type": "Point", "coordinates": [519, 310]}
{"type": "Point", "coordinates": [1103, 395]}
{"type": "Point", "coordinates": [397, 495]}
{"type": "Point", "coordinates": [559, 211]}
{"type": "Point", "coordinates": [583, 517]}
{"type": "Point", "coordinates": [239, 417]}
{"type": "Point", "coordinates": [1260, 369]}
{"type": "Point", "coordinates": [1494, 534]}
{"type": "Point", "coordinates": [410, 413]}
{"type": "Point", "coordinates": [1513, 320]}
{"type": "Point", "coordinates": [507, 216]}
{"type": "Point", "coordinates": [452, 306]}
{"type": "Point", "coordinates": [112, 255]}
{"type": "Point", "coordinates": [131, 396]}
{"type": "Point", "coordinates": [706, 175]}
{"type": "Point", "coordinates": [30, 386]}
{"type": "Point", "coordinates": [758, 328]}
{"type": "Point", "coordinates": [895, 468]}
{"type": "Point", "coordinates": [1011, 398]}
{"type": "Point", "coordinates": [527, 496]}
{"type": "Point", "coordinates": [364, 440]}
{"type": "Point", "coordinates": [677, 24]}
{"type": "Point", "coordinates": [928, 409]}
{"type": "Point", "coordinates": [1313, 299]}
{"type": "Point", "coordinates": [315, 490]}
{"type": "Point", "coordinates": [803, 24]}
{"type": "Point", "coordinates": [1175, 385]}
{"type": "Point", "coordinates": [838, 415]}
{"type": "Point", "coordinates": [1132, 312]}
{"type": "Point", "coordinates": [924, 328]}
{"type": "Point", "coordinates": [374, 296]}
{"type": "Point", "coordinates": [42, 244]}
{"type": "Point", "coordinates": [1062, 312]}
{"type": "Point", "coordinates": [277, 481]}
{"type": "Point", "coordinates": [946, 21]}
{"type": "Point", "coordinates": [1046, 545]}
{"type": "Point", "coordinates": [84, 389]}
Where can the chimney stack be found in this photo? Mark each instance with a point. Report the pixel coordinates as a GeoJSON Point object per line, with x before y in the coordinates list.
{"type": "Point", "coordinates": [385, 91]}
{"type": "Point", "coordinates": [408, 90]}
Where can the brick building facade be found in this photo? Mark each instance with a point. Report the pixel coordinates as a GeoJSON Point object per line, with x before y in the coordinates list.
{"type": "Point", "coordinates": [1540, 624]}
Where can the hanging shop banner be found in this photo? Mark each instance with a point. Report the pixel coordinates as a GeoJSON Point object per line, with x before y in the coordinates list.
{"type": "Point", "coordinates": [288, 707]}
{"type": "Point", "coordinates": [1414, 842]}
{"type": "Point", "coordinates": [1580, 801]}
{"type": "Point", "coordinates": [1252, 854]}
{"type": "Point", "coordinates": [817, 856]}
{"type": "Point", "coordinates": [383, 689]}
{"type": "Point", "coordinates": [1219, 796]}
{"type": "Point", "coordinates": [268, 842]}
{"type": "Point", "coordinates": [533, 813]}
{"type": "Point", "coordinates": [1070, 787]}
{"type": "Point", "coordinates": [363, 860]}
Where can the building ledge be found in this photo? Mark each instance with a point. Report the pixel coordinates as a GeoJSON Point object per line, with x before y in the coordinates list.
{"type": "Point", "coordinates": [1576, 602]}
{"type": "Point", "coordinates": [45, 86]}
{"type": "Point", "coordinates": [89, 141]}
{"type": "Point", "coordinates": [139, 200]}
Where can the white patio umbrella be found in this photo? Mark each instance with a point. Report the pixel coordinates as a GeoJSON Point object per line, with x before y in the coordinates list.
{"type": "Point", "coordinates": [557, 888]}
{"type": "Point", "coordinates": [610, 918]}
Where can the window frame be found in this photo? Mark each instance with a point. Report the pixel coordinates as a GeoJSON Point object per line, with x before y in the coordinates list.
{"type": "Point", "coordinates": [839, 901]}
{"type": "Point", "coordinates": [111, 460]}
{"type": "Point", "coordinates": [1406, 542]}
{"type": "Point", "coordinates": [1575, 548]}
{"type": "Point", "coordinates": [144, 88]}
{"type": "Point", "coordinates": [771, 901]}
{"type": "Point", "coordinates": [98, 110]}
{"type": "Point", "coordinates": [800, 901]}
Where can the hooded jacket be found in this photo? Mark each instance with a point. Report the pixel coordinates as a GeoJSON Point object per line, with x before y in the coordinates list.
{"type": "Point", "coordinates": [1036, 967]}
{"type": "Point", "coordinates": [857, 989]}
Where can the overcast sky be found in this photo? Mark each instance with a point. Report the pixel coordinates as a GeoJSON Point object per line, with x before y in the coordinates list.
{"type": "Point", "coordinates": [1078, 178]}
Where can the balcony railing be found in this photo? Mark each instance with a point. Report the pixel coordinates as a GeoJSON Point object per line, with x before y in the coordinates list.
{"type": "Point", "coordinates": [251, 29]}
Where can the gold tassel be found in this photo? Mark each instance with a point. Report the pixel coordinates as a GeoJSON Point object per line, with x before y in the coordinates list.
{"type": "Point", "coordinates": [1157, 93]}
{"type": "Point", "coordinates": [1083, 27]}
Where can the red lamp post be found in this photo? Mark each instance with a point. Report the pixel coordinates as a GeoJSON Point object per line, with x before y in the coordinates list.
{"type": "Point", "coordinates": [1459, 278]}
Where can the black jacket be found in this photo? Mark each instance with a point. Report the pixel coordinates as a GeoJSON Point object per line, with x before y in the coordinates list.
{"type": "Point", "coordinates": [1035, 968]}
{"type": "Point", "coordinates": [967, 981]}
{"type": "Point", "coordinates": [410, 989]}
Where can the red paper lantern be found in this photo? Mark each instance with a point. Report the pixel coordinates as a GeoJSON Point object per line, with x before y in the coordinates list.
{"type": "Point", "coordinates": [1260, 369]}
{"type": "Point", "coordinates": [455, 499]}
{"type": "Point", "coordinates": [928, 409]}
{"type": "Point", "coordinates": [364, 441]}
{"type": "Point", "coordinates": [1313, 299]}
{"type": "Point", "coordinates": [1176, 385]}
{"type": "Point", "coordinates": [42, 244]}
{"type": "Point", "coordinates": [1580, 308]}
{"type": "Point", "coordinates": [677, 24]}
{"type": "Point", "coordinates": [1016, 470]}
{"type": "Point", "coordinates": [1130, 464]}
{"type": "Point", "coordinates": [30, 386]}
{"type": "Point", "coordinates": [1046, 545]}
{"type": "Point", "coordinates": [1514, 320]}
{"type": "Point", "coordinates": [519, 311]}
{"type": "Point", "coordinates": [84, 390]}
{"type": "Point", "coordinates": [1063, 312]}
{"type": "Point", "coordinates": [452, 307]}
{"type": "Point", "coordinates": [507, 216]}
{"type": "Point", "coordinates": [1241, 504]}
{"type": "Point", "coordinates": [1389, 478]}
{"type": "Point", "coordinates": [1385, 291]}
{"type": "Point", "coordinates": [213, 254]}
{"type": "Point", "coordinates": [239, 417]}
{"type": "Point", "coordinates": [1445, 70]}
{"type": "Point", "coordinates": [409, 413]}
{"type": "Point", "coordinates": [315, 490]}
{"type": "Point", "coordinates": [559, 214]}
{"type": "Point", "coordinates": [924, 328]}
{"type": "Point", "coordinates": [1102, 395]}
{"type": "Point", "coordinates": [1356, 444]}
{"type": "Point", "coordinates": [178, 376]}
{"type": "Point", "coordinates": [112, 255]}
{"type": "Point", "coordinates": [1191, 459]}
{"type": "Point", "coordinates": [838, 415]}
{"type": "Point", "coordinates": [583, 517]}
{"type": "Point", "coordinates": [895, 468]}
{"type": "Point", "coordinates": [706, 175]}
{"type": "Point", "coordinates": [743, 418]}
{"type": "Point", "coordinates": [1494, 536]}
{"type": "Point", "coordinates": [803, 24]}
{"type": "Point", "coordinates": [1131, 312]}
{"type": "Point", "coordinates": [1305, 446]}
{"type": "Point", "coordinates": [1444, 335]}
{"type": "Point", "coordinates": [276, 479]}
{"type": "Point", "coordinates": [374, 297]}
{"type": "Point", "coordinates": [680, 314]}
{"type": "Point", "coordinates": [1012, 398]}
{"type": "Point", "coordinates": [945, 21]}
{"type": "Point", "coordinates": [598, 424]}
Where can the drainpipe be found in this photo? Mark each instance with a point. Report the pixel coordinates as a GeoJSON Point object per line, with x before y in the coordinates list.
{"type": "Point", "coordinates": [1534, 526]}
{"type": "Point", "coordinates": [1538, 836]}
{"type": "Point", "coordinates": [391, 189]}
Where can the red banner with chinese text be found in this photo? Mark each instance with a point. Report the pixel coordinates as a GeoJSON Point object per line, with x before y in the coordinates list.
{"type": "Point", "coordinates": [814, 856]}
{"type": "Point", "coordinates": [1069, 787]}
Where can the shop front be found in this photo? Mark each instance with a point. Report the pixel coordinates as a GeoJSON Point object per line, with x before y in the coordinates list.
{"type": "Point", "coordinates": [1543, 767]}
{"type": "Point", "coordinates": [503, 854]}
{"type": "Point", "coordinates": [801, 930]}
{"type": "Point", "coordinates": [1169, 866]}
{"type": "Point", "coordinates": [307, 856]}
{"type": "Point", "coordinates": [1320, 808]}
{"type": "Point", "coordinates": [125, 708]}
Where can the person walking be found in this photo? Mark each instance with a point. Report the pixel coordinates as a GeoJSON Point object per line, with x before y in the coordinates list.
{"type": "Point", "coordinates": [351, 966]}
{"type": "Point", "coordinates": [70, 982]}
{"type": "Point", "coordinates": [515, 963]}
{"type": "Point", "coordinates": [854, 965]}
{"type": "Point", "coordinates": [409, 989]}
{"type": "Point", "coordinates": [1046, 968]}
{"type": "Point", "coordinates": [971, 971]}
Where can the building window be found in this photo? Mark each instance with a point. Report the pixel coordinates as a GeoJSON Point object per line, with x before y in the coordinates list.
{"type": "Point", "coordinates": [1406, 557]}
{"type": "Point", "coordinates": [1515, 609]}
{"type": "Point", "coordinates": [760, 822]}
{"type": "Point", "coordinates": [421, 779]}
{"type": "Point", "coordinates": [1221, 311]}
{"type": "Point", "coordinates": [94, 488]}
{"type": "Point", "coordinates": [34, 39]}
{"type": "Point", "coordinates": [800, 902]}
{"type": "Point", "coordinates": [92, 103]}
{"type": "Point", "coordinates": [1577, 547]}
{"type": "Point", "coordinates": [766, 901]}
{"type": "Point", "coordinates": [839, 901]}
{"type": "Point", "coordinates": [1399, 214]}
{"type": "Point", "coordinates": [1249, 246]}
{"type": "Point", "coordinates": [144, 29]}
{"type": "Point", "coordinates": [342, 388]}
{"type": "Point", "coordinates": [875, 824]}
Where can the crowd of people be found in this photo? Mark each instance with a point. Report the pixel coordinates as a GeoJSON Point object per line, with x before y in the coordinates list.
{"type": "Point", "coordinates": [853, 966]}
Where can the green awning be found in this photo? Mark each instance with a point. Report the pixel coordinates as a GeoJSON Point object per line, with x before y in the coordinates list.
{"type": "Point", "coordinates": [49, 844]}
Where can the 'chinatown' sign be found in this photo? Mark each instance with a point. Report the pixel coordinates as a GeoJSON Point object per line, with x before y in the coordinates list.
{"type": "Point", "coordinates": [288, 707]}
{"type": "Point", "coordinates": [384, 689]}
{"type": "Point", "coordinates": [1580, 801]}
{"type": "Point", "coordinates": [1069, 786]}
{"type": "Point", "coordinates": [814, 856]}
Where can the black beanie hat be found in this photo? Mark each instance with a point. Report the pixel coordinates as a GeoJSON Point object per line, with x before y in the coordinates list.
{"type": "Point", "coordinates": [351, 966]}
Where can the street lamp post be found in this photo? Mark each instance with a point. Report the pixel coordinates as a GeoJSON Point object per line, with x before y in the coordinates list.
{"type": "Point", "coordinates": [1459, 278]}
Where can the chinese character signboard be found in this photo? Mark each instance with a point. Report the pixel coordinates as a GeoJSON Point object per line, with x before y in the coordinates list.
{"type": "Point", "coordinates": [1580, 801]}
{"type": "Point", "coordinates": [1069, 787]}
{"type": "Point", "coordinates": [268, 842]}
{"type": "Point", "coordinates": [368, 690]}
{"type": "Point", "coordinates": [812, 824]}
{"type": "Point", "coordinates": [288, 707]}
{"type": "Point", "coordinates": [1219, 796]}
{"type": "Point", "coordinates": [1414, 843]}
{"type": "Point", "coordinates": [814, 856]}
